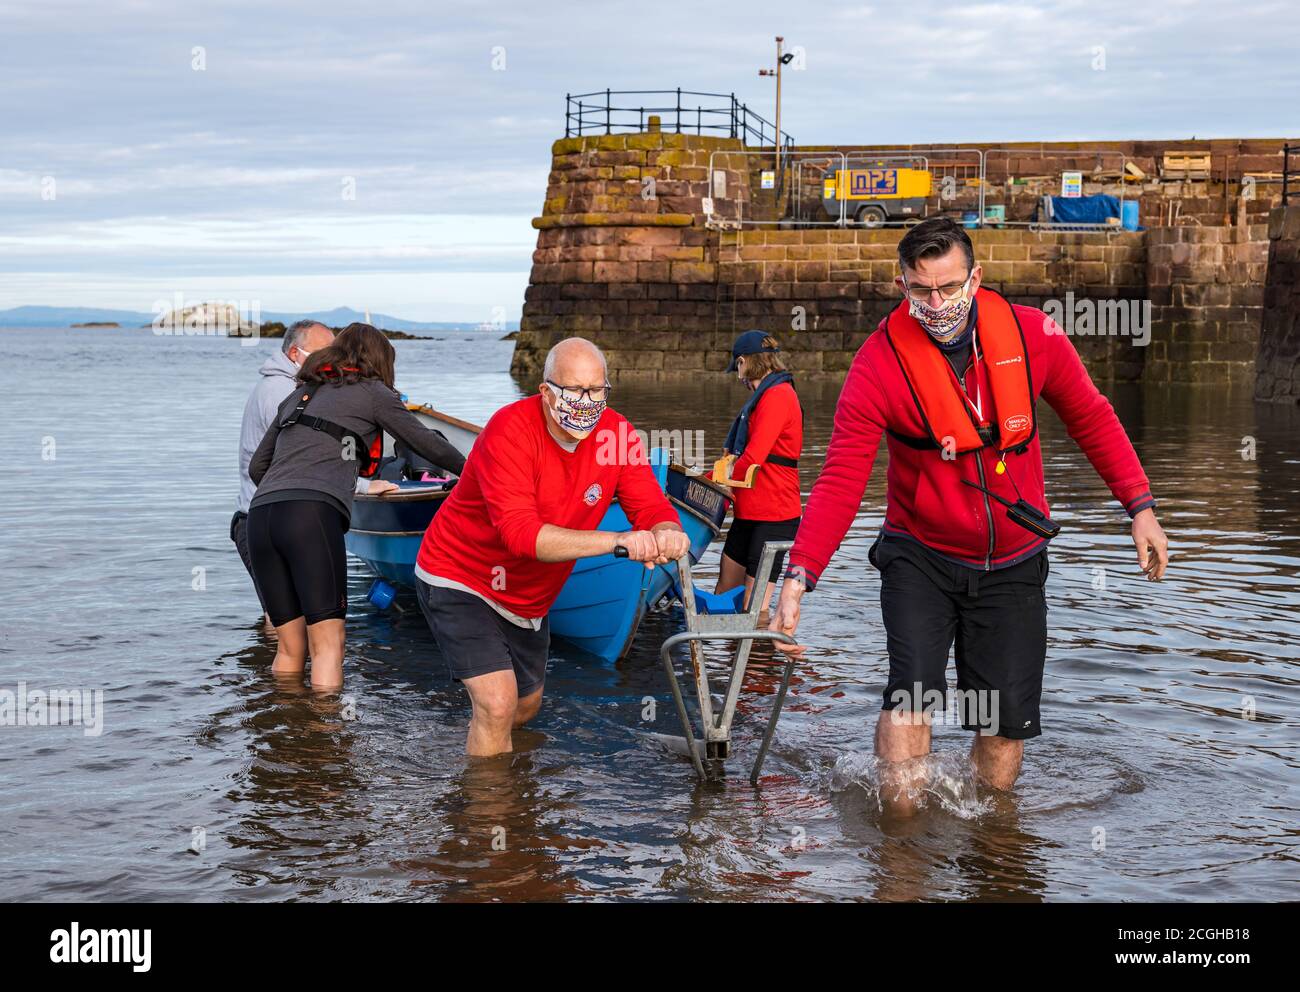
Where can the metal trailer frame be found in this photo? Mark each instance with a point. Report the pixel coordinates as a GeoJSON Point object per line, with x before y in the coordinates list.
{"type": "Point", "coordinates": [741, 627]}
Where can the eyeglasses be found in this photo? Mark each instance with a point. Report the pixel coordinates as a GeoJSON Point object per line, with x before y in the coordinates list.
{"type": "Point", "coordinates": [949, 292]}
{"type": "Point", "coordinates": [577, 394]}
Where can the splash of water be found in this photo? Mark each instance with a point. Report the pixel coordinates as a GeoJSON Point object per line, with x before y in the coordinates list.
{"type": "Point", "coordinates": [943, 777]}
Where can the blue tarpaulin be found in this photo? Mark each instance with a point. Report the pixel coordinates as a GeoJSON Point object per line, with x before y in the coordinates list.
{"type": "Point", "coordinates": [1084, 209]}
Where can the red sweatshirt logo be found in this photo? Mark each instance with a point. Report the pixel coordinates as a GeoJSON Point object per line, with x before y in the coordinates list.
{"type": "Point", "coordinates": [592, 496]}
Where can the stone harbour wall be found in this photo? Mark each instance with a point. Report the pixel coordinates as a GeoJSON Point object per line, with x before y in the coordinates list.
{"type": "Point", "coordinates": [1207, 289]}
{"type": "Point", "coordinates": [626, 257]}
{"type": "Point", "coordinates": [1278, 363]}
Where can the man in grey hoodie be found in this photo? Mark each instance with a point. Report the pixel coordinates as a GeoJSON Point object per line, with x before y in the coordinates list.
{"type": "Point", "coordinates": [278, 375]}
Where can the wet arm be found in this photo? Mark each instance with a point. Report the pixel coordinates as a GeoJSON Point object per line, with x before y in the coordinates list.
{"type": "Point", "coordinates": [391, 414]}
{"type": "Point", "coordinates": [837, 494]}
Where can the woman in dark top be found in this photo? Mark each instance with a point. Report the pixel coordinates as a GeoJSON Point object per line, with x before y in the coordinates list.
{"type": "Point", "coordinates": [326, 432]}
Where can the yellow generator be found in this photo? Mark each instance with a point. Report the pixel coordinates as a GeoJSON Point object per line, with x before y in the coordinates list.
{"type": "Point", "coordinates": [874, 196]}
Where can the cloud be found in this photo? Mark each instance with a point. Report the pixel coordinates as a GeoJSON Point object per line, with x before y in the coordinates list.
{"type": "Point", "coordinates": [443, 113]}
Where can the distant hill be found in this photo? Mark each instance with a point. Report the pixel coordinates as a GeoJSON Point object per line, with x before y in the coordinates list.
{"type": "Point", "coordinates": [33, 316]}
{"type": "Point", "coordinates": [67, 316]}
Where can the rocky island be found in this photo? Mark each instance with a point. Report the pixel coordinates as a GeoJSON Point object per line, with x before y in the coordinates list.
{"type": "Point", "coordinates": [225, 318]}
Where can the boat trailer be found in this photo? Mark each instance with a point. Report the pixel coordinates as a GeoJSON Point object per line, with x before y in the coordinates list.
{"type": "Point", "coordinates": [722, 617]}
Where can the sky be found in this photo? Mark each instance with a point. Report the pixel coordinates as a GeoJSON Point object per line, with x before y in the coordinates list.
{"type": "Point", "coordinates": [209, 149]}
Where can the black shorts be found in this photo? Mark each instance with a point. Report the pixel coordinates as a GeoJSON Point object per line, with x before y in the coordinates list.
{"type": "Point", "coordinates": [300, 566]}
{"type": "Point", "coordinates": [239, 534]}
{"type": "Point", "coordinates": [997, 619]}
{"type": "Point", "coordinates": [477, 640]}
{"type": "Point", "coordinates": [746, 538]}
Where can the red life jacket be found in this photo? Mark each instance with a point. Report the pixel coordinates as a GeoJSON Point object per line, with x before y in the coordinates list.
{"type": "Point", "coordinates": [940, 399]}
{"type": "Point", "coordinates": [367, 455]}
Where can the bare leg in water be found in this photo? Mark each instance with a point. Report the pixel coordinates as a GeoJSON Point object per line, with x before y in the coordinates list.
{"type": "Point", "coordinates": [900, 737]}
{"type": "Point", "coordinates": [498, 710]}
{"type": "Point", "coordinates": [290, 648]}
{"type": "Point", "coordinates": [903, 736]}
{"type": "Point", "coordinates": [997, 760]}
{"type": "Point", "coordinates": [324, 640]}
{"type": "Point", "coordinates": [731, 573]}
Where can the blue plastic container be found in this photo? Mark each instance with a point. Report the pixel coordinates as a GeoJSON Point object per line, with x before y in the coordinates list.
{"type": "Point", "coordinates": [381, 594]}
{"type": "Point", "coordinates": [970, 219]}
{"type": "Point", "coordinates": [1129, 215]}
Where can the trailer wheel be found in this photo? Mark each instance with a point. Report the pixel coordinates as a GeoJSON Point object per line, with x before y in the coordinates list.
{"type": "Point", "coordinates": [871, 216]}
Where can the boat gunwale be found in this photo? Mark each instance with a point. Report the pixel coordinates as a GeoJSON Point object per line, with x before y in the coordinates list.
{"type": "Point", "coordinates": [386, 533]}
{"type": "Point", "coordinates": [423, 497]}
{"type": "Point", "coordinates": [447, 418]}
{"type": "Point", "coordinates": [405, 496]}
{"type": "Point", "coordinates": [702, 479]}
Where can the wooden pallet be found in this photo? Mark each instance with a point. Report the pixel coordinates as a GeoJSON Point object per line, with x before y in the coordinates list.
{"type": "Point", "coordinates": [1185, 165]}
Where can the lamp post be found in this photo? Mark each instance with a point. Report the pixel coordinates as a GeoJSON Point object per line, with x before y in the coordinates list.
{"type": "Point", "coordinates": [781, 59]}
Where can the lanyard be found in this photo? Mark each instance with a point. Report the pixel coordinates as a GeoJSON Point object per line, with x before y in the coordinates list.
{"type": "Point", "coordinates": [978, 404]}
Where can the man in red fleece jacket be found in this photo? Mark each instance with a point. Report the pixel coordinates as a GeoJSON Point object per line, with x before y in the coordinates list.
{"type": "Point", "coordinates": [537, 482]}
{"type": "Point", "coordinates": [951, 378]}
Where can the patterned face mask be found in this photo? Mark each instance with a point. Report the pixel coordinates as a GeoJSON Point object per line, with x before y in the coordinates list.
{"type": "Point", "coordinates": [578, 417]}
{"type": "Point", "coordinates": [946, 322]}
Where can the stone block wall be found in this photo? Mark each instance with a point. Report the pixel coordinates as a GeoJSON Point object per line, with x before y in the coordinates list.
{"type": "Point", "coordinates": [1278, 362]}
{"type": "Point", "coordinates": [822, 290]}
{"type": "Point", "coordinates": [625, 257]}
{"type": "Point", "coordinates": [1207, 291]}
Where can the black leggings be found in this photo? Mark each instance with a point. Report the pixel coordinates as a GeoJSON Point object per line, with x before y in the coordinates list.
{"type": "Point", "coordinates": [300, 566]}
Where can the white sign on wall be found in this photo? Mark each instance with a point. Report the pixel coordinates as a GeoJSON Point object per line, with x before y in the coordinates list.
{"type": "Point", "coordinates": [1072, 184]}
{"type": "Point", "coordinates": [768, 179]}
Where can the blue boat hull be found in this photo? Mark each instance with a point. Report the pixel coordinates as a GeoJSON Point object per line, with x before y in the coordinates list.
{"type": "Point", "coordinates": [602, 605]}
{"type": "Point", "coordinates": [604, 600]}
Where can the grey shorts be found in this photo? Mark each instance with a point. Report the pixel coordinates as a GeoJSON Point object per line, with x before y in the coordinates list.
{"type": "Point", "coordinates": [476, 640]}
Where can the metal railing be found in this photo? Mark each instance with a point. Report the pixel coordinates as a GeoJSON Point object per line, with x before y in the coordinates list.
{"type": "Point", "coordinates": [950, 170]}
{"type": "Point", "coordinates": [978, 184]}
{"type": "Point", "coordinates": [621, 111]}
{"type": "Point", "coordinates": [1289, 176]}
{"type": "Point", "coordinates": [727, 207]}
{"type": "Point", "coordinates": [807, 208]}
{"type": "Point", "coordinates": [1052, 158]}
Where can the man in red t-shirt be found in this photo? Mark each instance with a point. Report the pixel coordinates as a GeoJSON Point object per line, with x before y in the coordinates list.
{"type": "Point", "coordinates": [535, 486]}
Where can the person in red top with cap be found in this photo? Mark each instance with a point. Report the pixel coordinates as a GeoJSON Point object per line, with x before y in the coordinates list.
{"type": "Point", "coordinates": [950, 378]}
{"type": "Point", "coordinates": [493, 560]}
{"type": "Point", "coordinates": [760, 462]}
